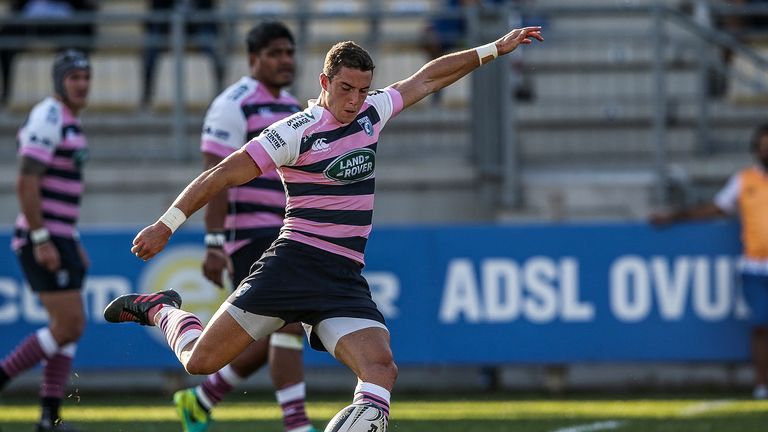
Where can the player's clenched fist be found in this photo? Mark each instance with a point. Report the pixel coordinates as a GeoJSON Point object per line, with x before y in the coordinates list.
{"type": "Point", "coordinates": [151, 240]}
{"type": "Point", "coordinates": [47, 256]}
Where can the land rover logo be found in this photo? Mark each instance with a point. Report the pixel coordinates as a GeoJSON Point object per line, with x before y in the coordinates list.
{"type": "Point", "coordinates": [352, 167]}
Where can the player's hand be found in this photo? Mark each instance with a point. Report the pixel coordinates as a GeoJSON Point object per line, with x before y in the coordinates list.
{"type": "Point", "coordinates": [84, 258]}
{"type": "Point", "coordinates": [47, 256]}
{"type": "Point", "coordinates": [214, 263]}
{"type": "Point", "coordinates": [507, 43]}
{"type": "Point", "coordinates": [151, 240]}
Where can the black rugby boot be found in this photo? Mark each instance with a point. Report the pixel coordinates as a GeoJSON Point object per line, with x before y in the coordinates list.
{"type": "Point", "coordinates": [136, 307]}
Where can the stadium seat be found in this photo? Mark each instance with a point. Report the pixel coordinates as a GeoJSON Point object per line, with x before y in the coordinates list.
{"type": "Point", "coordinates": [200, 83]}
{"type": "Point", "coordinates": [32, 79]}
{"type": "Point", "coordinates": [116, 82]}
{"type": "Point", "coordinates": [738, 90]}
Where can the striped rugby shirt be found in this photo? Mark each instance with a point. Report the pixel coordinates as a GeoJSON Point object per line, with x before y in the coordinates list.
{"type": "Point", "coordinates": [238, 114]}
{"type": "Point", "coordinates": [52, 136]}
{"type": "Point", "coordinates": [328, 172]}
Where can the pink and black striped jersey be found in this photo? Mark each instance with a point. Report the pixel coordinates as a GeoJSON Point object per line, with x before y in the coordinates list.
{"type": "Point", "coordinates": [328, 170]}
{"type": "Point", "coordinates": [53, 136]}
{"type": "Point", "coordinates": [238, 114]}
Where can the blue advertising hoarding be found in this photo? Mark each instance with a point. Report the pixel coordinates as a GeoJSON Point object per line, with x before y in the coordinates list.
{"type": "Point", "coordinates": [484, 294]}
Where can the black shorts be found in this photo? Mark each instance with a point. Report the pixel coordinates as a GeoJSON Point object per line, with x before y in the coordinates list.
{"type": "Point", "coordinates": [301, 283]}
{"type": "Point", "coordinates": [69, 277]}
{"type": "Point", "coordinates": [244, 258]}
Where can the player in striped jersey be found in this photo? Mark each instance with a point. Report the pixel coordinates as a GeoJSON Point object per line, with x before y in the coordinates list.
{"type": "Point", "coordinates": [243, 221]}
{"type": "Point", "coordinates": [326, 156]}
{"type": "Point", "coordinates": [52, 150]}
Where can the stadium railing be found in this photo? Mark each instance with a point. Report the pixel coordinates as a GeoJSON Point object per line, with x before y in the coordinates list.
{"type": "Point", "coordinates": [624, 98]}
{"type": "Point", "coordinates": [630, 94]}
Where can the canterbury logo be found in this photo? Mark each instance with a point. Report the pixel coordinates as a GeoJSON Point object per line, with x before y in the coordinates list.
{"type": "Point", "coordinates": [240, 291]}
{"type": "Point", "coordinates": [320, 145]}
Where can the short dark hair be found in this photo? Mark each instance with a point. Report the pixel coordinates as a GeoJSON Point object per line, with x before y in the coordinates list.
{"type": "Point", "coordinates": [758, 135]}
{"type": "Point", "coordinates": [261, 35]}
{"type": "Point", "coordinates": [347, 54]}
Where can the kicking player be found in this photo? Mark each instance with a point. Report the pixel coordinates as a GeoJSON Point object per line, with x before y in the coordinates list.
{"type": "Point", "coordinates": [243, 221]}
{"type": "Point", "coordinates": [52, 150]}
{"type": "Point", "coordinates": [326, 157]}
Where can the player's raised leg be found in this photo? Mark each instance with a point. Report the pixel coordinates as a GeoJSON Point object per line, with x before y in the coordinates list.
{"type": "Point", "coordinates": [201, 350]}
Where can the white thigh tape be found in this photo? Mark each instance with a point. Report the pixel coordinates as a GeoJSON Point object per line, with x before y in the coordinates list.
{"type": "Point", "coordinates": [289, 341]}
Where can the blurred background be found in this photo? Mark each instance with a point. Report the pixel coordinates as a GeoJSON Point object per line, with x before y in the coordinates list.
{"type": "Point", "coordinates": [510, 248]}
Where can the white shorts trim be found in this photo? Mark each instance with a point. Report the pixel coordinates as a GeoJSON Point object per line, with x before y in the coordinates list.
{"type": "Point", "coordinates": [330, 330]}
{"type": "Point", "coordinates": [257, 326]}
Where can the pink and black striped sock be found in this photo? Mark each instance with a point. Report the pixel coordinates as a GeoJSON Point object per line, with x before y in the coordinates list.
{"type": "Point", "coordinates": [180, 327]}
{"type": "Point", "coordinates": [56, 372]}
{"type": "Point", "coordinates": [291, 400]}
{"type": "Point", "coordinates": [371, 393]}
{"type": "Point", "coordinates": [36, 347]}
{"type": "Point", "coordinates": [53, 387]}
{"type": "Point", "coordinates": [215, 386]}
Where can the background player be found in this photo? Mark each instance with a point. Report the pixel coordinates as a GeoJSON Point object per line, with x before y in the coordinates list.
{"type": "Point", "coordinates": [52, 150]}
{"type": "Point", "coordinates": [746, 193]}
{"type": "Point", "coordinates": [312, 273]}
{"type": "Point", "coordinates": [242, 222]}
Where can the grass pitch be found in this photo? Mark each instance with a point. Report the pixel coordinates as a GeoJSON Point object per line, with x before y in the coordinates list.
{"type": "Point", "coordinates": [456, 413]}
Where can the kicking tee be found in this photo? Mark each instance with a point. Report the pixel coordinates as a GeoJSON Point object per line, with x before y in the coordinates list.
{"type": "Point", "coordinates": [238, 114]}
{"type": "Point", "coordinates": [52, 136]}
{"type": "Point", "coordinates": [328, 170]}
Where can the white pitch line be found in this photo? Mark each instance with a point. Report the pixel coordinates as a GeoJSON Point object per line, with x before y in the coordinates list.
{"type": "Point", "coordinates": [703, 407]}
{"type": "Point", "coordinates": [605, 425]}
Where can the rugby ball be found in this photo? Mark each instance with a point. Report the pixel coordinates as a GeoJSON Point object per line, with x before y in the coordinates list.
{"type": "Point", "coordinates": [358, 418]}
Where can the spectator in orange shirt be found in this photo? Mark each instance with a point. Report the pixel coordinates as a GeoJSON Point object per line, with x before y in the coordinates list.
{"type": "Point", "coordinates": [746, 193]}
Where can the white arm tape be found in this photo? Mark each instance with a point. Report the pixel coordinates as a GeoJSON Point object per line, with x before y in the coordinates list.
{"type": "Point", "coordinates": [173, 218]}
{"type": "Point", "coordinates": [487, 50]}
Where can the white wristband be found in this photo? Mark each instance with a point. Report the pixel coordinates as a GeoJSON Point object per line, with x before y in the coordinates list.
{"type": "Point", "coordinates": [40, 235]}
{"type": "Point", "coordinates": [487, 50]}
{"type": "Point", "coordinates": [215, 240]}
{"type": "Point", "coordinates": [173, 218]}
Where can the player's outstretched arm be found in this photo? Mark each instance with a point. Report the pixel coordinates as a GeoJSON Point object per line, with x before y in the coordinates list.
{"type": "Point", "coordinates": [235, 170]}
{"type": "Point", "coordinates": [708, 210]}
{"type": "Point", "coordinates": [446, 70]}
